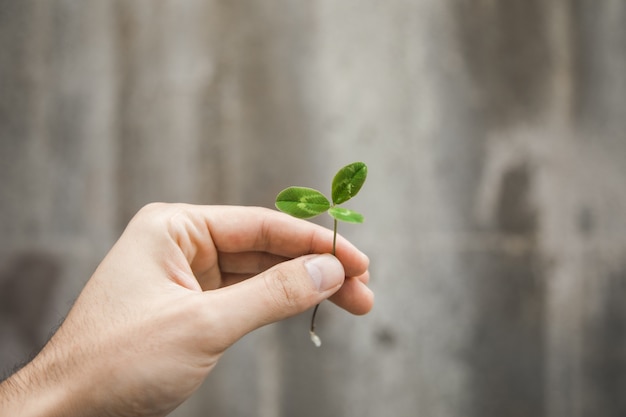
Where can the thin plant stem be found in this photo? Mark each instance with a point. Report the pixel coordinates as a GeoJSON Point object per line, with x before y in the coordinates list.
{"type": "Point", "coordinates": [314, 337]}
{"type": "Point", "coordinates": [312, 330]}
{"type": "Point", "coordinates": [334, 237]}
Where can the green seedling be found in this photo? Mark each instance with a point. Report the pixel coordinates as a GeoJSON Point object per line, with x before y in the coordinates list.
{"type": "Point", "coordinates": [305, 203]}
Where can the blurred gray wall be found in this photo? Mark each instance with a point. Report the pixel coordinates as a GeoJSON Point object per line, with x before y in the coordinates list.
{"type": "Point", "coordinates": [495, 206]}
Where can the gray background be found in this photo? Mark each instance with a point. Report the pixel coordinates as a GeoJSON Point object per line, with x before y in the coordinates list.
{"type": "Point", "coordinates": [495, 205]}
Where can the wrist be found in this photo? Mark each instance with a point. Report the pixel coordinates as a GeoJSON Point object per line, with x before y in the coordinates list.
{"type": "Point", "coordinates": [39, 389]}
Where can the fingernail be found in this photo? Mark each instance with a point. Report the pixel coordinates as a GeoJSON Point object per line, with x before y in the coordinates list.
{"type": "Point", "coordinates": [325, 271]}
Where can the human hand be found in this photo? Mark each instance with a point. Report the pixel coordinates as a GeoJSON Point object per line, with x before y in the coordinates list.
{"type": "Point", "coordinates": [181, 285]}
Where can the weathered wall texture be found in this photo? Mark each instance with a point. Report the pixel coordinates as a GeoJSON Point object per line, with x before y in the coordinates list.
{"type": "Point", "coordinates": [496, 203]}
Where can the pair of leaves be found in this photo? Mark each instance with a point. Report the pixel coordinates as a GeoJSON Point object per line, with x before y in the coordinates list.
{"type": "Point", "coordinates": [304, 203]}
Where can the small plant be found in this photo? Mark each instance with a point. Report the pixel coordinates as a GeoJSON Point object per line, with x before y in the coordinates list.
{"type": "Point", "coordinates": [304, 203]}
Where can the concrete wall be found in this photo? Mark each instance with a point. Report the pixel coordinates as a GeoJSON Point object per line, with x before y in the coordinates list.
{"type": "Point", "coordinates": [495, 207]}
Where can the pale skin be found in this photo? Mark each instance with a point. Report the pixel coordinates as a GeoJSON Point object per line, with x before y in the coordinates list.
{"type": "Point", "coordinates": [181, 285]}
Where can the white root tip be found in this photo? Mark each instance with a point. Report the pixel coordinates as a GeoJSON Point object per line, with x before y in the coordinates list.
{"type": "Point", "coordinates": [316, 339]}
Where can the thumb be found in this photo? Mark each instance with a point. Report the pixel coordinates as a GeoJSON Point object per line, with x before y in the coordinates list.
{"type": "Point", "coordinates": [283, 291]}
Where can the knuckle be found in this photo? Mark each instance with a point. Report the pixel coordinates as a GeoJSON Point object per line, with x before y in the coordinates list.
{"type": "Point", "coordinates": [149, 215]}
{"type": "Point", "coordinates": [157, 215]}
{"type": "Point", "coordinates": [283, 289]}
{"type": "Point", "coordinates": [152, 208]}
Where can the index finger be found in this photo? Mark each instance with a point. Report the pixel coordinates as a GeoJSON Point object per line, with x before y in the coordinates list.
{"type": "Point", "coordinates": [236, 229]}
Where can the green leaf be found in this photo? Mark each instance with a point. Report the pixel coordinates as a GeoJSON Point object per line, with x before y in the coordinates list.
{"type": "Point", "coordinates": [348, 181]}
{"type": "Point", "coordinates": [302, 202]}
{"type": "Point", "coordinates": [346, 215]}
